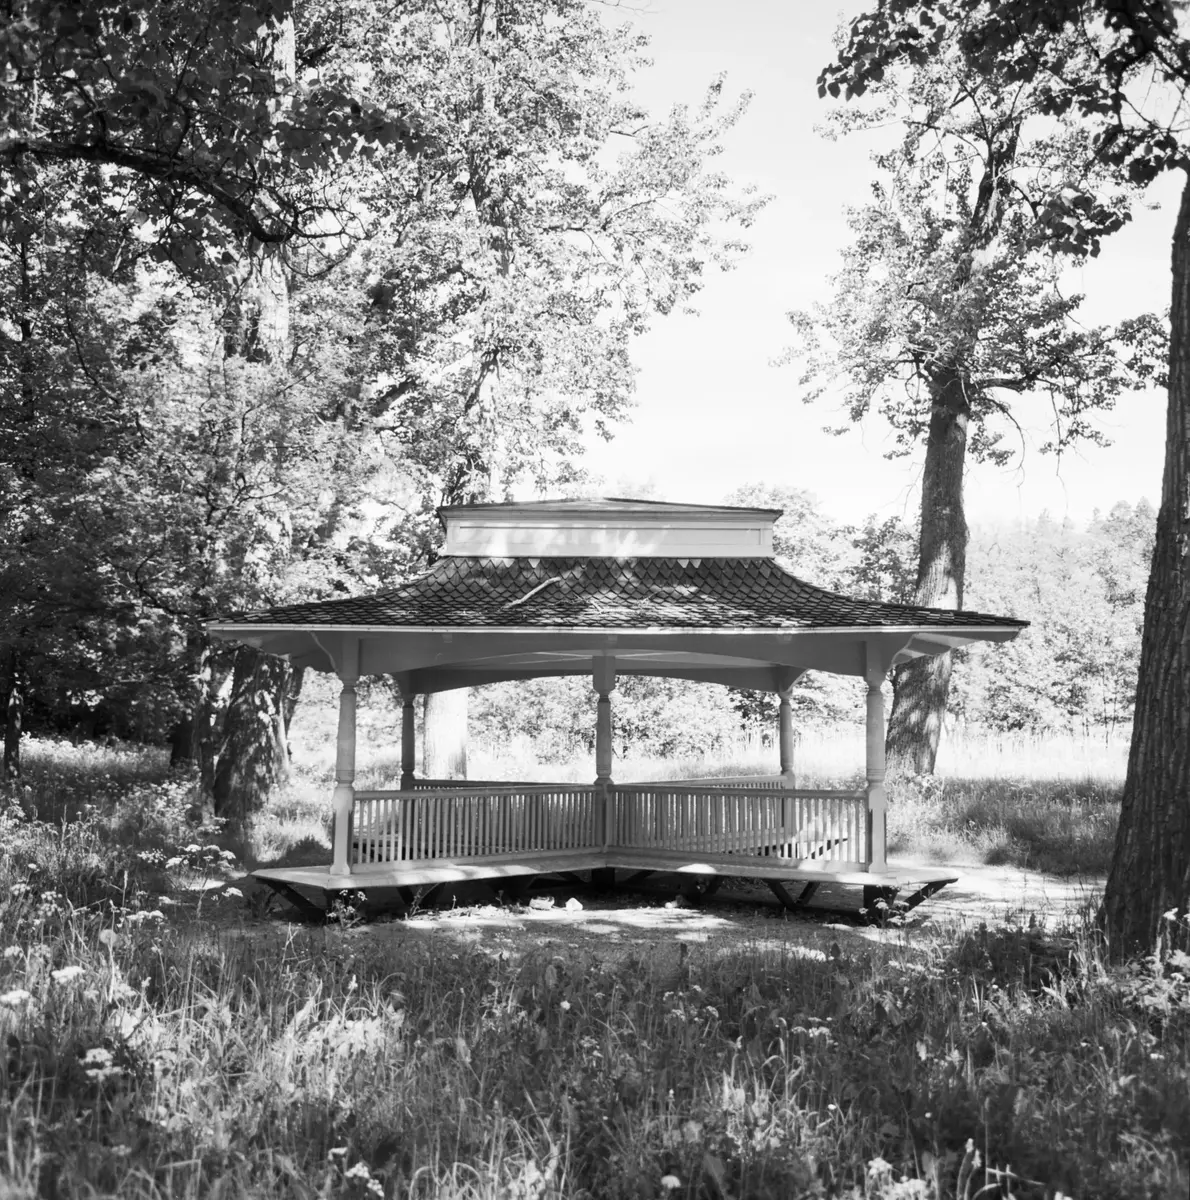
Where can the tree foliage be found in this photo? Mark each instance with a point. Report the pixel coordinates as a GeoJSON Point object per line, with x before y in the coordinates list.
{"type": "Point", "coordinates": [255, 330]}
{"type": "Point", "coordinates": [207, 142]}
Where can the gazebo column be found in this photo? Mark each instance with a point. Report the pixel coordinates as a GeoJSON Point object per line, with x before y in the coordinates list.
{"type": "Point", "coordinates": [343, 801]}
{"type": "Point", "coordinates": [875, 671]}
{"type": "Point", "coordinates": [408, 740]}
{"type": "Point", "coordinates": [604, 680]}
{"type": "Point", "coordinates": [785, 735]}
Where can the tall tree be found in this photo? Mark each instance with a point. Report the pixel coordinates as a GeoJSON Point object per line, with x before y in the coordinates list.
{"type": "Point", "coordinates": [547, 223]}
{"type": "Point", "coordinates": [949, 318]}
{"type": "Point", "coordinates": [1109, 50]}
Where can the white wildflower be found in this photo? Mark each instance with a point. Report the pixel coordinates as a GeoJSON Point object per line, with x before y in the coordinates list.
{"type": "Point", "coordinates": [193, 848]}
{"type": "Point", "coordinates": [66, 974]}
{"type": "Point", "coordinates": [13, 952]}
{"type": "Point", "coordinates": [15, 998]}
{"type": "Point", "coordinates": [172, 863]}
{"type": "Point", "coordinates": [336, 1152]}
{"type": "Point", "coordinates": [670, 1182]}
{"type": "Point", "coordinates": [565, 1005]}
{"type": "Point", "coordinates": [97, 1056]}
{"type": "Point", "coordinates": [139, 918]}
{"type": "Point", "coordinates": [18, 889]}
{"type": "Point", "coordinates": [107, 937]}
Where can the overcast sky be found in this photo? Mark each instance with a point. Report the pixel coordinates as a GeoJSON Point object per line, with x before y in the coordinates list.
{"type": "Point", "coordinates": [714, 413]}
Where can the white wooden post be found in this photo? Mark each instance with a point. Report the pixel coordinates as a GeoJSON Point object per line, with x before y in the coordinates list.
{"type": "Point", "coordinates": [875, 670]}
{"type": "Point", "coordinates": [343, 801]}
{"type": "Point", "coordinates": [604, 681]}
{"type": "Point", "coordinates": [408, 741]}
{"type": "Point", "coordinates": [786, 736]}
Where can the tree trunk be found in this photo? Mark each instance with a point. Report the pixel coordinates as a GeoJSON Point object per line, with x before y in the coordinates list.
{"type": "Point", "coordinates": [12, 699]}
{"type": "Point", "coordinates": [920, 687]}
{"type": "Point", "coordinates": [182, 751]}
{"type": "Point", "coordinates": [1150, 870]}
{"type": "Point", "coordinates": [444, 735]}
{"type": "Point", "coordinates": [250, 759]}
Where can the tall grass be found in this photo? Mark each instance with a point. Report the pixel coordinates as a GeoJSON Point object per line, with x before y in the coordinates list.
{"type": "Point", "coordinates": [158, 1057]}
{"type": "Point", "coordinates": [152, 1053]}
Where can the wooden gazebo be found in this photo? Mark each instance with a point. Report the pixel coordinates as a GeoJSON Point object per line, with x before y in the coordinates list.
{"type": "Point", "coordinates": [608, 588]}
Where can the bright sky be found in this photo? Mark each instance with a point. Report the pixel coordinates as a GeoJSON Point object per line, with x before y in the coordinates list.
{"type": "Point", "coordinates": [714, 413]}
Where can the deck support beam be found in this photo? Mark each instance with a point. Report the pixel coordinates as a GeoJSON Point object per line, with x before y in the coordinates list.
{"type": "Point", "coordinates": [343, 801]}
{"type": "Point", "coordinates": [408, 741]}
{"type": "Point", "coordinates": [876, 667]}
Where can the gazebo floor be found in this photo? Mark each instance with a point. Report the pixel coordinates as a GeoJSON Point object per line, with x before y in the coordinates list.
{"type": "Point", "coordinates": [793, 885]}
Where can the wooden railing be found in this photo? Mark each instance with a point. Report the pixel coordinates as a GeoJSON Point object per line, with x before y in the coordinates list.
{"type": "Point", "coordinates": [789, 823]}
{"type": "Point", "coordinates": [762, 782]}
{"type": "Point", "coordinates": [472, 820]}
{"type": "Point", "coordinates": [475, 821]}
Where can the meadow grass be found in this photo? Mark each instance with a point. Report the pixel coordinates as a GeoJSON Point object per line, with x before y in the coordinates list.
{"type": "Point", "coordinates": [155, 1053]}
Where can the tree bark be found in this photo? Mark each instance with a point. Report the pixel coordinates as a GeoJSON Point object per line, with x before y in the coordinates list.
{"type": "Point", "coordinates": [12, 699]}
{"type": "Point", "coordinates": [920, 687]}
{"type": "Point", "coordinates": [252, 753]}
{"type": "Point", "coordinates": [1150, 870]}
{"type": "Point", "coordinates": [444, 735]}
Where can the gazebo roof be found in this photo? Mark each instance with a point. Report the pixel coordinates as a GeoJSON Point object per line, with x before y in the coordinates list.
{"type": "Point", "coordinates": [605, 583]}
{"type": "Point", "coordinates": [704, 594]}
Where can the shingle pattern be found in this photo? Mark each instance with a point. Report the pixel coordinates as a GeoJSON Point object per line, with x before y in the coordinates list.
{"type": "Point", "coordinates": [611, 593]}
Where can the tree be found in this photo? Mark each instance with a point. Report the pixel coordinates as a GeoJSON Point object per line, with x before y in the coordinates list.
{"type": "Point", "coordinates": [547, 224]}
{"type": "Point", "coordinates": [949, 315]}
{"type": "Point", "coordinates": [184, 101]}
{"type": "Point", "coordinates": [1118, 46]}
{"type": "Point", "coordinates": [480, 313]}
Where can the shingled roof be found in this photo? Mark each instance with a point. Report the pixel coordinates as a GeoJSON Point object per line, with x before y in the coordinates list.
{"type": "Point", "coordinates": [611, 593]}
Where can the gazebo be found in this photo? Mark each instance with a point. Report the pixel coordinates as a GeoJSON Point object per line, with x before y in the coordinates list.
{"type": "Point", "coordinates": [607, 588]}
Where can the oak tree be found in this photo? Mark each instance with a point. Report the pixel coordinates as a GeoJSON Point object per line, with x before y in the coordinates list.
{"type": "Point", "coordinates": [949, 317]}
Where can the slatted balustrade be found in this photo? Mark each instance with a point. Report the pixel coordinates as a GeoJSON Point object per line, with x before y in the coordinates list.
{"type": "Point", "coordinates": [794, 824]}
{"type": "Point", "coordinates": [474, 822]}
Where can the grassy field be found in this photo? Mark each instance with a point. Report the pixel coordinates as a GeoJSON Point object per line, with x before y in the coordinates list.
{"type": "Point", "coordinates": [156, 1047]}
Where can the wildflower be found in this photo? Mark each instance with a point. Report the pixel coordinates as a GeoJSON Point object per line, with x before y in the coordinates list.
{"type": "Point", "coordinates": [670, 1182]}
{"type": "Point", "coordinates": [18, 889]}
{"type": "Point", "coordinates": [66, 974]}
{"type": "Point", "coordinates": [234, 891]}
{"type": "Point", "coordinates": [172, 863]}
{"type": "Point", "coordinates": [565, 1005]}
{"type": "Point", "coordinates": [15, 998]}
{"type": "Point", "coordinates": [37, 867]}
{"type": "Point", "coordinates": [98, 1064]}
{"type": "Point", "coordinates": [1170, 914]}
{"type": "Point", "coordinates": [336, 1152]}
{"type": "Point", "coordinates": [107, 937]}
{"type": "Point", "coordinates": [13, 951]}
{"type": "Point", "coordinates": [193, 848]}
{"type": "Point", "coordinates": [139, 918]}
